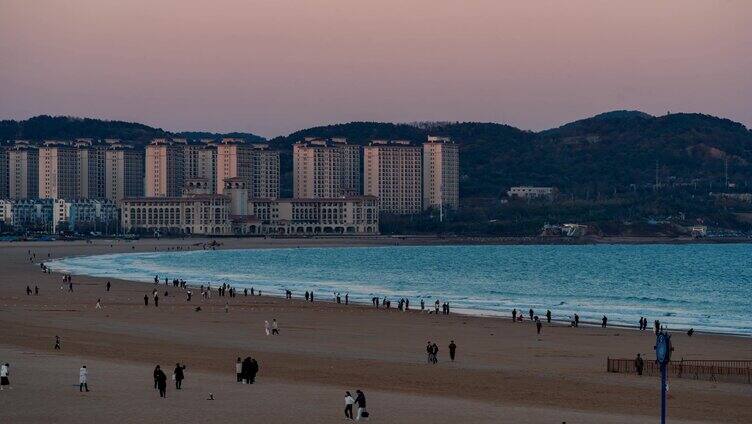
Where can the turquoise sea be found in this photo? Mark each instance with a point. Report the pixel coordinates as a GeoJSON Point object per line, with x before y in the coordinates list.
{"type": "Point", "coordinates": [705, 286]}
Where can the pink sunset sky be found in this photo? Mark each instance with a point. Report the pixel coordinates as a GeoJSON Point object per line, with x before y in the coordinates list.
{"type": "Point", "coordinates": [272, 67]}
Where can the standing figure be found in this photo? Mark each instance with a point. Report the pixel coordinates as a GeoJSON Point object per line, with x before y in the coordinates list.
{"type": "Point", "coordinates": [179, 375]}
{"type": "Point", "coordinates": [161, 380]}
{"type": "Point", "coordinates": [83, 375]}
{"type": "Point", "coordinates": [349, 401]}
{"type": "Point", "coordinates": [360, 400]}
{"type": "Point", "coordinates": [4, 376]}
{"type": "Point", "coordinates": [452, 350]}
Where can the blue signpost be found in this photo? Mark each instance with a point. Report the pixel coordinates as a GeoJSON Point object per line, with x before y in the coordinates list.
{"type": "Point", "coordinates": [663, 351]}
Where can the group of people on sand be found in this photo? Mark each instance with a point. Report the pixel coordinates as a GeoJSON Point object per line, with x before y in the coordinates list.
{"type": "Point", "coordinates": [246, 370]}
{"type": "Point", "coordinates": [272, 329]}
{"type": "Point", "coordinates": [160, 379]}
{"type": "Point", "coordinates": [358, 401]}
{"type": "Point", "coordinates": [432, 352]}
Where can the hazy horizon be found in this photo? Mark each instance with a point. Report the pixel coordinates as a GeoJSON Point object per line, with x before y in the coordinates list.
{"type": "Point", "coordinates": [274, 67]}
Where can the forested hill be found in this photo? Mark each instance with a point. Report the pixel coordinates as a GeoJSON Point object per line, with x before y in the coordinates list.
{"type": "Point", "coordinates": [45, 127]}
{"type": "Point", "coordinates": [611, 151]}
{"type": "Point", "coordinates": [614, 151]}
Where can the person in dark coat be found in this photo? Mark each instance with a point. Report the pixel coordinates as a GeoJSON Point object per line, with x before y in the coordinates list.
{"type": "Point", "coordinates": [156, 374]}
{"type": "Point", "coordinates": [254, 370]}
{"type": "Point", "coordinates": [161, 379]}
{"type": "Point", "coordinates": [179, 375]}
{"type": "Point", "coordinates": [360, 400]}
{"type": "Point", "coordinates": [452, 350]}
{"type": "Point", "coordinates": [245, 370]}
{"type": "Point", "coordinates": [639, 364]}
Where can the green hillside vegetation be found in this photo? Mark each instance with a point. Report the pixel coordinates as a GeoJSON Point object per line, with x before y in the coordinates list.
{"type": "Point", "coordinates": [605, 167]}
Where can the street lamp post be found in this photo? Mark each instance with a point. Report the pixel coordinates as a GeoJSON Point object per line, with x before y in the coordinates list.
{"type": "Point", "coordinates": [663, 350]}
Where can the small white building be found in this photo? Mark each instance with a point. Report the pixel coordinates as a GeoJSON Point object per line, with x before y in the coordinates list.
{"type": "Point", "coordinates": [528, 192]}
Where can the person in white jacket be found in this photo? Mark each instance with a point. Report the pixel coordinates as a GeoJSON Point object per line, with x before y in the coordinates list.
{"type": "Point", "coordinates": [4, 376]}
{"type": "Point", "coordinates": [266, 327]}
{"type": "Point", "coordinates": [82, 379]}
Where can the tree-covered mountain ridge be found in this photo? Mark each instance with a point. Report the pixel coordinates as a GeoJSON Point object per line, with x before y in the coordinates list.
{"type": "Point", "coordinates": [613, 151]}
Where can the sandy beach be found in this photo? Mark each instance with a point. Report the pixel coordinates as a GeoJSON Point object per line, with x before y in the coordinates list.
{"type": "Point", "coordinates": [504, 372]}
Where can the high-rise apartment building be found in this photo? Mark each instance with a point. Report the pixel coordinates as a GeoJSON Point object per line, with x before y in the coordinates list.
{"type": "Point", "coordinates": [164, 168]}
{"type": "Point", "coordinates": [58, 171]}
{"type": "Point", "coordinates": [200, 161]}
{"type": "Point", "coordinates": [392, 172]}
{"type": "Point", "coordinates": [124, 172]}
{"type": "Point", "coordinates": [23, 171]}
{"type": "Point", "coordinates": [441, 169]}
{"type": "Point", "coordinates": [91, 169]}
{"type": "Point", "coordinates": [4, 192]}
{"type": "Point", "coordinates": [254, 163]}
{"type": "Point", "coordinates": [326, 168]}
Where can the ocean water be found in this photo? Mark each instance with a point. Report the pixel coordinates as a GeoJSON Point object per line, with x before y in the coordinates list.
{"type": "Point", "coordinates": [705, 286]}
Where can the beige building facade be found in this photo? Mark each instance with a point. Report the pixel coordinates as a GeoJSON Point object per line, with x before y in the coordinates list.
{"type": "Point", "coordinates": [255, 163]}
{"type": "Point", "coordinates": [392, 171]}
{"type": "Point", "coordinates": [23, 171]}
{"type": "Point", "coordinates": [124, 172]}
{"type": "Point", "coordinates": [164, 168]}
{"type": "Point", "coordinates": [441, 170]}
{"type": "Point", "coordinates": [195, 214]}
{"type": "Point", "coordinates": [91, 169]}
{"type": "Point", "coordinates": [324, 168]}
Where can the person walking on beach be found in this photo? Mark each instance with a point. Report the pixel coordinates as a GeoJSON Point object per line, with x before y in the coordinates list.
{"type": "Point", "coordinates": [604, 321]}
{"type": "Point", "coordinates": [4, 376]}
{"type": "Point", "coordinates": [275, 327]}
{"type": "Point", "coordinates": [57, 342]}
{"type": "Point", "coordinates": [108, 286]}
{"type": "Point", "coordinates": [70, 287]}
{"type": "Point", "coordinates": [306, 296]}
{"type": "Point", "coordinates": [422, 305]}
{"type": "Point", "coordinates": [146, 300]}
{"type": "Point", "coordinates": [360, 400]}
{"type": "Point", "coordinates": [245, 370]}
{"type": "Point", "coordinates": [429, 353]}
{"type": "Point", "coordinates": [83, 377]}
{"type": "Point", "coordinates": [36, 290]}
{"type": "Point", "coordinates": [156, 300]}
{"type": "Point", "coordinates": [156, 374]}
{"type": "Point", "coordinates": [639, 364]}
{"type": "Point", "coordinates": [28, 291]}
{"type": "Point", "coordinates": [161, 381]}
{"type": "Point", "coordinates": [349, 401]}
{"type": "Point", "coordinates": [266, 328]}
{"type": "Point", "coordinates": [538, 325]}
{"type": "Point", "coordinates": [253, 370]}
{"type": "Point", "coordinates": [576, 320]}
{"type": "Point", "coordinates": [178, 375]}
{"type": "Point", "coordinates": [452, 350]}
{"type": "Point", "coordinates": [347, 298]}
{"type": "Point", "coordinates": [548, 316]}
{"type": "Point", "coordinates": [435, 353]}
{"type": "Point", "coordinates": [239, 370]}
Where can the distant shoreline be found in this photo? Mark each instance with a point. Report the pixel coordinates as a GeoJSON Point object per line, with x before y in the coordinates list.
{"type": "Point", "coordinates": [416, 240]}
{"type": "Point", "coordinates": [163, 246]}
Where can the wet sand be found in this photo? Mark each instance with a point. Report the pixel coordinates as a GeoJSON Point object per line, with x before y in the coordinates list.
{"type": "Point", "coordinates": [503, 371]}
